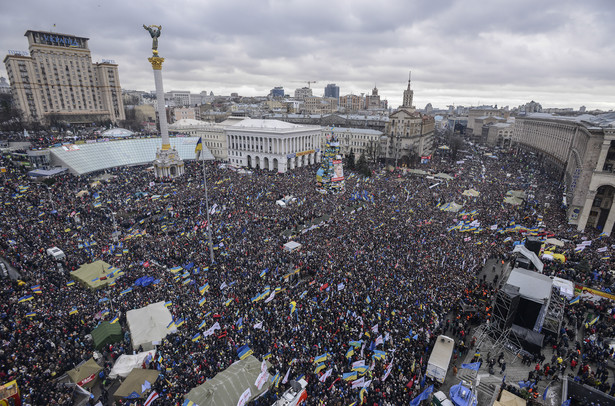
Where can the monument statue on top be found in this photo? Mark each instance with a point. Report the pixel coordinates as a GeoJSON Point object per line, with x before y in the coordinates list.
{"type": "Point", "coordinates": [154, 31]}
{"type": "Point", "coordinates": [168, 163]}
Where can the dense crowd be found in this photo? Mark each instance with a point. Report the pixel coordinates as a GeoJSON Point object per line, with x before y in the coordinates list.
{"type": "Point", "coordinates": [386, 270]}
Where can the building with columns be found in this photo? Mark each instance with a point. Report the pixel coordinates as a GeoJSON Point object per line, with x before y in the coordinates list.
{"type": "Point", "coordinates": [579, 151]}
{"type": "Point", "coordinates": [272, 144]}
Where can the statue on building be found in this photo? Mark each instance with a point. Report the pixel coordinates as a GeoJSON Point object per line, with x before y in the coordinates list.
{"type": "Point", "coordinates": [154, 31]}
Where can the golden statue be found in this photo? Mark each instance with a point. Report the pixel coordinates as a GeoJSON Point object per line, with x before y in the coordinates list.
{"type": "Point", "coordinates": [154, 31]}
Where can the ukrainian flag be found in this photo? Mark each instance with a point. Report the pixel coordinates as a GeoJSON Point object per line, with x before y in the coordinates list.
{"type": "Point", "coordinates": [293, 307]}
{"type": "Point", "coordinates": [321, 358]}
{"type": "Point", "coordinates": [368, 300]}
{"type": "Point", "coordinates": [379, 355]}
{"type": "Point", "coordinates": [202, 324]}
{"type": "Point", "coordinates": [575, 300]}
{"type": "Point", "coordinates": [264, 272]}
{"type": "Point", "coordinates": [202, 302]}
{"type": "Point", "coordinates": [350, 376]}
{"type": "Point", "coordinates": [244, 352]}
{"type": "Point", "coordinates": [204, 288]}
{"type": "Point", "coordinates": [196, 337]}
{"type": "Point", "coordinates": [319, 367]}
{"type": "Point", "coordinates": [115, 319]}
{"type": "Point", "coordinates": [168, 304]}
{"type": "Point", "coordinates": [171, 325]}
{"type": "Point", "coordinates": [25, 298]}
{"type": "Point", "coordinates": [267, 356]}
{"type": "Point", "coordinates": [350, 352]}
{"type": "Point", "coordinates": [74, 311]}
{"type": "Point", "coordinates": [228, 302]}
{"type": "Point", "coordinates": [198, 148]}
{"type": "Point", "coordinates": [361, 370]}
{"type": "Point", "coordinates": [31, 314]}
{"type": "Point", "coordinates": [179, 323]}
{"type": "Point", "coordinates": [276, 380]}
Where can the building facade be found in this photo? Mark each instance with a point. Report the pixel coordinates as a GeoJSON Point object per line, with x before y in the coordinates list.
{"type": "Point", "coordinates": [580, 151]}
{"type": "Point", "coordinates": [478, 115]}
{"type": "Point", "coordinates": [57, 81]}
{"type": "Point", "coordinates": [408, 132]}
{"type": "Point", "coordinates": [332, 90]}
{"type": "Point", "coordinates": [360, 141]}
{"type": "Point", "coordinates": [303, 93]}
{"type": "Point", "coordinates": [272, 144]}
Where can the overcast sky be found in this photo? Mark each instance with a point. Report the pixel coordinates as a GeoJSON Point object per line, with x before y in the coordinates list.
{"type": "Point", "coordinates": [560, 53]}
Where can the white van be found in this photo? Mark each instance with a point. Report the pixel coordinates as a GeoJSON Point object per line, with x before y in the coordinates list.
{"type": "Point", "coordinates": [56, 253]}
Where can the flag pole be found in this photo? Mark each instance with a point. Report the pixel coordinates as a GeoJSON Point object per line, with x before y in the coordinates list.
{"type": "Point", "coordinates": [211, 246]}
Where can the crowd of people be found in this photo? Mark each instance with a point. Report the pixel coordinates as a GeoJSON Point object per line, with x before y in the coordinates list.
{"type": "Point", "coordinates": [379, 280]}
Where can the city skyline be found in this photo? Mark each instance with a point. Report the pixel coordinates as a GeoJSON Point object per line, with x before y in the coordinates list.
{"type": "Point", "coordinates": [558, 53]}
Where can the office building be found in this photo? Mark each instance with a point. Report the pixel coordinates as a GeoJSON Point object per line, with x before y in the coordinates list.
{"type": "Point", "coordinates": [277, 92]}
{"type": "Point", "coordinates": [332, 90]}
{"type": "Point", "coordinates": [56, 81]}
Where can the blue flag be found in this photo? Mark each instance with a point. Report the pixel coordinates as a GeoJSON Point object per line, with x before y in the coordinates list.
{"type": "Point", "coordinates": [475, 366]}
{"type": "Point", "coordinates": [424, 395]}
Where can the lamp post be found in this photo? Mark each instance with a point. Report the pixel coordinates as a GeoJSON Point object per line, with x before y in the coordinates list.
{"type": "Point", "coordinates": [211, 246]}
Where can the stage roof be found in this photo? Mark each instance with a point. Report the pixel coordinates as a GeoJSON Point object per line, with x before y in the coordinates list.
{"type": "Point", "coordinates": [532, 285]}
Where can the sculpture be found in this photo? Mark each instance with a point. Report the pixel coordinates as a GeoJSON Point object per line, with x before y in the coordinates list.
{"type": "Point", "coordinates": [154, 31]}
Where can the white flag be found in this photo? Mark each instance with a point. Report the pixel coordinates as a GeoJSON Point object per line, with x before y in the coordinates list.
{"type": "Point", "coordinates": [326, 375]}
{"type": "Point", "coordinates": [375, 328]}
{"type": "Point", "coordinates": [270, 298]}
{"type": "Point", "coordinates": [286, 376]}
{"type": "Point", "coordinates": [340, 286]}
{"type": "Point", "coordinates": [603, 249]}
{"type": "Point", "coordinates": [358, 383]}
{"type": "Point", "coordinates": [259, 325]}
{"type": "Point", "coordinates": [379, 340]}
{"type": "Point", "coordinates": [224, 285]}
{"type": "Point", "coordinates": [359, 363]}
{"type": "Point", "coordinates": [245, 397]}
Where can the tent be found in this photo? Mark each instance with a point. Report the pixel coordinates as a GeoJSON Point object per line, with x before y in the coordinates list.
{"type": "Point", "coordinates": [566, 287]}
{"type": "Point", "coordinates": [106, 333]}
{"type": "Point", "coordinates": [134, 383]}
{"type": "Point", "coordinates": [509, 399]}
{"type": "Point", "coordinates": [226, 387]}
{"type": "Point", "coordinates": [96, 275]}
{"type": "Point", "coordinates": [515, 201]}
{"type": "Point", "coordinates": [126, 363]}
{"type": "Point", "coordinates": [471, 192]}
{"type": "Point", "coordinates": [529, 255]}
{"type": "Point", "coordinates": [443, 175]}
{"type": "Point", "coordinates": [519, 194]}
{"type": "Point", "coordinates": [554, 241]}
{"type": "Point", "coordinates": [452, 207]}
{"type": "Point", "coordinates": [149, 325]}
{"type": "Point", "coordinates": [292, 246]}
{"type": "Point", "coordinates": [85, 374]}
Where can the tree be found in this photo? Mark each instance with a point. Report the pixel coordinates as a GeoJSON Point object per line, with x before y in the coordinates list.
{"type": "Point", "coordinates": [455, 145]}
{"type": "Point", "coordinates": [363, 167]}
{"type": "Point", "coordinates": [350, 160]}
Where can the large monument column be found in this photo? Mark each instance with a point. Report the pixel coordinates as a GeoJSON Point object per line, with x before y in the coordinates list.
{"type": "Point", "coordinates": [167, 164]}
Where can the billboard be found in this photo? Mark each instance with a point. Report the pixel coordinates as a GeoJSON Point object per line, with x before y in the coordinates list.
{"type": "Point", "coordinates": [338, 171]}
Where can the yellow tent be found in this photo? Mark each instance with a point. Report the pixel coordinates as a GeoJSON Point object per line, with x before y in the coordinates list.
{"type": "Point", "coordinates": [508, 399]}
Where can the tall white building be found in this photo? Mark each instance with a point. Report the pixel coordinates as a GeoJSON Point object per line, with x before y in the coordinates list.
{"type": "Point", "coordinates": [57, 81]}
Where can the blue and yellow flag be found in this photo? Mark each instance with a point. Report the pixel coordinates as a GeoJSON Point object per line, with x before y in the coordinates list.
{"type": "Point", "coordinates": [198, 148]}
{"type": "Point", "coordinates": [244, 352]}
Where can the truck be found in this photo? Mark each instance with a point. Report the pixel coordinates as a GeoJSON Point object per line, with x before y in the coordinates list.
{"type": "Point", "coordinates": [440, 358]}
{"type": "Point", "coordinates": [295, 396]}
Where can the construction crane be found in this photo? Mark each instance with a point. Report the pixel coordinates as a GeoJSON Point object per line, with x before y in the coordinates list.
{"type": "Point", "coordinates": [310, 81]}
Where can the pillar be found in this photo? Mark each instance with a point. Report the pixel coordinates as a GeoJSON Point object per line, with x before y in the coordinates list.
{"type": "Point", "coordinates": [606, 144]}
{"type": "Point", "coordinates": [587, 207]}
{"type": "Point", "coordinates": [156, 62]}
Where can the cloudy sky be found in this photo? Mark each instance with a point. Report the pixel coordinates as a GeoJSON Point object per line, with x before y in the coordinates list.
{"type": "Point", "coordinates": [560, 53]}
